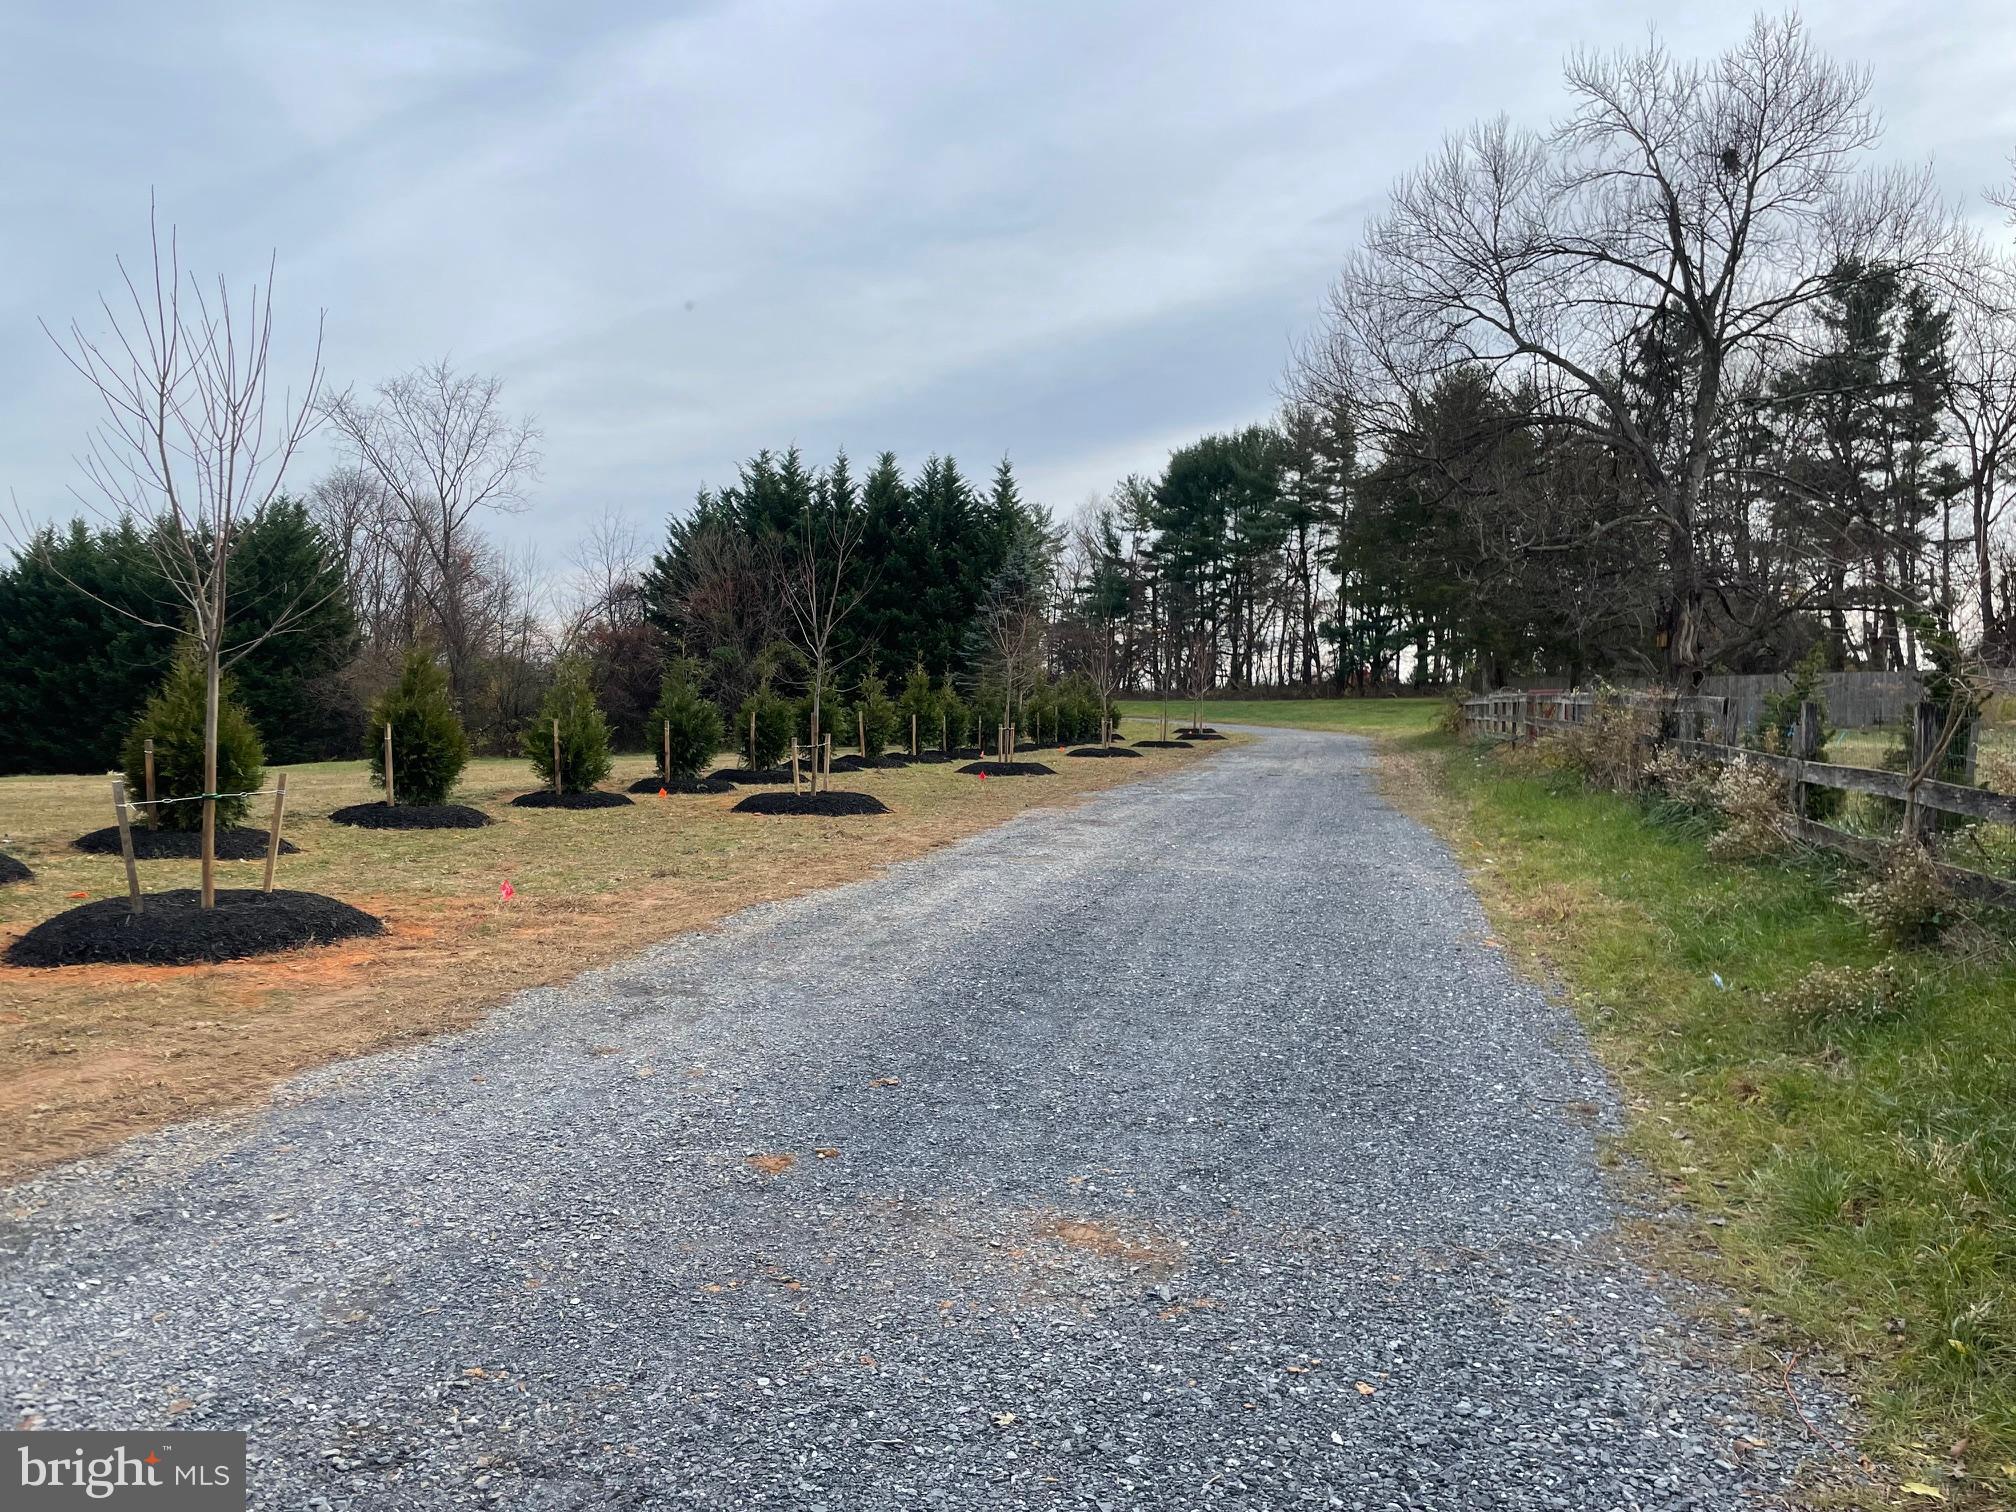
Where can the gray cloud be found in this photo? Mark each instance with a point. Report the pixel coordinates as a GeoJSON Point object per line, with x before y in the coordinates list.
{"type": "Point", "coordinates": [1076, 235]}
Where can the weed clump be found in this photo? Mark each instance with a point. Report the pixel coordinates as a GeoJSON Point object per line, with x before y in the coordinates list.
{"type": "Point", "coordinates": [1846, 995]}
{"type": "Point", "coordinates": [1905, 904]}
{"type": "Point", "coordinates": [1750, 797]}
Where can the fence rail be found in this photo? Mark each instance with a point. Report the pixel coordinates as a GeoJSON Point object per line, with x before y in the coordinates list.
{"type": "Point", "coordinates": [1706, 726]}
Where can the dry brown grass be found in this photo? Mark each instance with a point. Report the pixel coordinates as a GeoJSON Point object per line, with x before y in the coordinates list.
{"type": "Point", "coordinates": [90, 1055]}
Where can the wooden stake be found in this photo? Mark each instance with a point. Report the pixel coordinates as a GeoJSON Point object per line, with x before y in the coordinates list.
{"type": "Point", "coordinates": [826, 783]}
{"type": "Point", "coordinates": [794, 768]}
{"type": "Point", "coordinates": [279, 813]}
{"type": "Point", "coordinates": [666, 769]}
{"type": "Point", "coordinates": [126, 844]}
{"type": "Point", "coordinates": [556, 758]}
{"type": "Point", "coordinates": [153, 808]}
{"type": "Point", "coordinates": [915, 749]}
{"type": "Point", "coordinates": [391, 801]}
{"type": "Point", "coordinates": [945, 732]}
{"type": "Point", "coordinates": [861, 730]}
{"type": "Point", "coordinates": [752, 739]}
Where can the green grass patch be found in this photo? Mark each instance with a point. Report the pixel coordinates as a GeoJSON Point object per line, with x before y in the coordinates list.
{"type": "Point", "coordinates": [1854, 1167]}
{"type": "Point", "coordinates": [1359, 716]}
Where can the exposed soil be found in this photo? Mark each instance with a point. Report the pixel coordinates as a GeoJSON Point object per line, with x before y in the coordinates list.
{"type": "Point", "coordinates": [750, 776]}
{"type": "Point", "coordinates": [403, 816]}
{"type": "Point", "coordinates": [829, 804]}
{"type": "Point", "coordinates": [12, 870]}
{"type": "Point", "coordinates": [594, 798]}
{"type": "Point", "coordinates": [1163, 745]}
{"type": "Point", "coordinates": [1008, 769]}
{"type": "Point", "coordinates": [174, 930]}
{"type": "Point", "coordinates": [1103, 751]}
{"type": "Point", "coordinates": [653, 785]}
{"type": "Point", "coordinates": [235, 844]}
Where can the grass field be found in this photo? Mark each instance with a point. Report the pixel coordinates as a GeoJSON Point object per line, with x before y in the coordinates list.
{"type": "Point", "coordinates": [1855, 1184]}
{"type": "Point", "coordinates": [91, 1054]}
{"type": "Point", "coordinates": [1365, 716]}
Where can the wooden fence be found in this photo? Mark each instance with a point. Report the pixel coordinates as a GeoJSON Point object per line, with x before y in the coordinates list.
{"type": "Point", "coordinates": [1709, 727]}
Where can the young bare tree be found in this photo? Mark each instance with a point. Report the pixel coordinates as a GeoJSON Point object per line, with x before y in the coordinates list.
{"type": "Point", "coordinates": [443, 448]}
{"type": "Point", "coordinates": [821, 580]}
{"type": "Point", "coordinates": [194, 440]}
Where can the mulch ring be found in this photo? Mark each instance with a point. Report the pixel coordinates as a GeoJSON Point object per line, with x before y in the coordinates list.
{"type": "Point", "coordinates": [1103, 751]}
{"type": "Point", "coordinates": [594, 798]}
{"type": "Point", "coordinates": [1008, 769]}
{"type": "Point", "coordinates": [14, 871]}
{"type": "Point", "coordinates": [1162, 745]}
{"type": "Point", "coordinates": [410, 816]}
{"type": "Point", "coordinates": [174, 930]}
{"type": "Point", "coordinates": [750, 776]}
{"type": "Point", "coordinates": [654, 785]}
{"type": "Point", "coordinates": [1205, 733]}
{"type": "Point", "coordinates": [828, 804]}
{"type": "Point", "coordinates": [235, 844]}
{"type": "Point", "coordinates": [931, 758]}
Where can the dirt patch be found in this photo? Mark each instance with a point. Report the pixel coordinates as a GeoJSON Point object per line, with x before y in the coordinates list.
{"type": "Point", "coordinates": [829, 804]}
{"type": "Point", "coordinates": [173, 929]}
{"type": "Point", "coordinates": [1108, 1242]}
{"type": "Point", "coordinates": [594, 798]}
{"type": "Point", "coordinates": [1007, 769]}
{"type": "Point", "coordinates": [14, 871]}
{"type": "Point", "coordinates": [773, 1165]}
{"type": "Point", "coordinates": [235, 844]}
{"type": "Point", "coordinates": [654, 786]}
{"type": "Point", "coordinates": [404, 816]}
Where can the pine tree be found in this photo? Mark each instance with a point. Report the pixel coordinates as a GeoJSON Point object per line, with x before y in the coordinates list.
{"type": "Point", "coordinates": [584, 732]}
{"type": "Point", "coordinates": [429, 746]}
{"type": "Point", "coordinates": [173, 719]}
{"type": "Point", "coordinates": [690, 723]}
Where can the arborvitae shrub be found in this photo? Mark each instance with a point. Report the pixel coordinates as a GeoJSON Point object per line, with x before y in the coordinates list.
{"type": "Point", "coordinates": [695, 724]}
{"type": "Point", "coordinates": [872, 717]}
{"type": "Point", "coordinates": [775, 720]}
{"type": "Point", "coordinates": [953, 714]}
{"type": "Point", "coordinates": [919, 700]}
{"type": "Point", "coordinates": [584, 732]}
{"type": "Point", "coordinates": [174, 718]}
{"type": "Point", "coordinates": [429, 747]}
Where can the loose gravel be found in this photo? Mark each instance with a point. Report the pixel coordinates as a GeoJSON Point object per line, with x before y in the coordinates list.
{"type": "Point", "coordinates": [1239, 1174]}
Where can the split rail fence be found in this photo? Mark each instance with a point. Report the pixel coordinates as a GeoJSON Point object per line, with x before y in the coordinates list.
{"type": "Point", "coordinates": [1710, 727]}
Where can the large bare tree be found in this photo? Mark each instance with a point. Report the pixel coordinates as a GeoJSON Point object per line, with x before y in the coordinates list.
{"type": "Point", "coordinates": [443, 448]}
{"type": "Point", "coordinates": [1636, 265]}
{"type": "Point", "coordinates": [821, 580]}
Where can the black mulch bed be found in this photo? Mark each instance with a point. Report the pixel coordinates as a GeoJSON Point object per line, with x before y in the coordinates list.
{"type": "Point", "coordinates": [1162, 745]}
{"type": "Point", "coordinates": [1104, 751]}
{"type": "Point", "coordinates": [1207, 733]}
{"type": "Point", "coordinates": [750, 776]}
{"type": "Point", "coordinates": [699, 785]}
{"type": "Point", "coordinates": [829, 804]}
{"type": "Point", "coordinates": [14, 871]}
{"type": "Point", "coordinates": [847, 764]}
{"type": "Point", "coordinates": [594, 798]}
{"type": "Point", "coordinates": [410, 816]}
{"type": "Point", "coordinates": [237, 844]}
{"type": "Point", "coordinates": [172, 930]}
{"type": "Point", "coordinates": [931, 758]}
{"type": "Point", "coordinates": [1008, 769]}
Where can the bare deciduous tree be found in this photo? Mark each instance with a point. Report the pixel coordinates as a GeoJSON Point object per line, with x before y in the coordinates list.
{"type": "Point", "coordinates": [194, 441]}
{"type": "Point", "coordinates": [821, 582]}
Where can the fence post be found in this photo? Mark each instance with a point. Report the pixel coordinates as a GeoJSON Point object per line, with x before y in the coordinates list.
{"type": "Point", "coordinates": [1805, 746]}
{"type": "Point", "coordinates": [1927, 723]}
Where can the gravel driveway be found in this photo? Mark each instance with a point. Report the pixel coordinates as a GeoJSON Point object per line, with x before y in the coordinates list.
{"type": "Point", "coordinates": [1187, 1148]}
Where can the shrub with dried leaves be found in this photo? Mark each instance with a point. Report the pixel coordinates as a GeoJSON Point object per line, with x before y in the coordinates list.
{"type": "Point", "coordinates": [1905, 903]}
{"type": "Point", "coordinates": [1756, 820]}
{"type": "Point", "coordinates": [1686, 782]}
{"type": "Point", "coordinates": [1847, 994]}
{"type": "Point", "coordinates": [1608, 749]}
{"type": "Point", "coordinates": [1996, 771]}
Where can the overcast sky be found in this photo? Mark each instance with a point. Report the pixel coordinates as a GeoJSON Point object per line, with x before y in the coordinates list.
{"type": "Point", "coordinates": [1077, 234]}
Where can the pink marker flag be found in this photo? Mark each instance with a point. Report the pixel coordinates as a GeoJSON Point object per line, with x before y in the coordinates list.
{"type": "Point", "coordinates": [506, 891]}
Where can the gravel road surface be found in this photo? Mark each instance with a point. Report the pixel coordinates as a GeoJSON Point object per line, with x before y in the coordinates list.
{"type": "Point", "coordinates": [1187, 1148]}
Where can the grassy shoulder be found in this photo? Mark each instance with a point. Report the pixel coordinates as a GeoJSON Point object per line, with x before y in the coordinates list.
{"type": "Point", "coordinates": [1358, 716]}
{"type": "Point", "coordinates": [1854, 1181]}
{"type": "Point", "coordinates": [91, 1054]}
